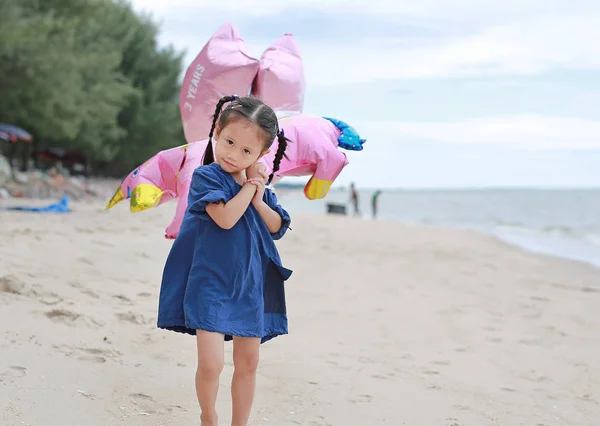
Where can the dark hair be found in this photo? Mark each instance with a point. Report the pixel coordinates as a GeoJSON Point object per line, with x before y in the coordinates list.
{"type": "Point", "coordinates": [255, 111]}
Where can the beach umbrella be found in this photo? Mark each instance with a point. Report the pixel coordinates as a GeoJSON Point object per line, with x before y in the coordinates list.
{"type": "Point", "coordinates": [14, 133]}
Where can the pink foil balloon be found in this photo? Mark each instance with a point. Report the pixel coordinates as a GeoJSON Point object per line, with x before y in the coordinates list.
{"type": "Point", "coordinates": [280, 81]}
{"type": "Point", "coordinates": [312, 151]}
{"type": "Point", "coordinates": [223, 67]}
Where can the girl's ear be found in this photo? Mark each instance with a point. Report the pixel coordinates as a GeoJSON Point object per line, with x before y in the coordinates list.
{"type": "Point", "coordinates": [217, 130]}
{"type": "Point", "coordinates": [264, 153]}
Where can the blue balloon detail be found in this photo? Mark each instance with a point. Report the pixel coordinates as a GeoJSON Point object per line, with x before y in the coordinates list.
{"type": "Point", "coordinates": [349, 139]}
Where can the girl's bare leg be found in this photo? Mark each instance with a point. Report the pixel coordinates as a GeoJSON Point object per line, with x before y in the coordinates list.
{"type": "Point", "coordinates": [210, 365]}
{"type": "Point", "coordinates": [245, 361]}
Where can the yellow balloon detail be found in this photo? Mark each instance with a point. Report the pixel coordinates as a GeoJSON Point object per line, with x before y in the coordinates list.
{"type": "Point", "coordinates": [317, 188]}
{"type": "Point", "coordinates": [145, 196]}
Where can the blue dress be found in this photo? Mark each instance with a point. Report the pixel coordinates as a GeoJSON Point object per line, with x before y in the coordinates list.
{"type": "Point", "coordinates": [225, 281]}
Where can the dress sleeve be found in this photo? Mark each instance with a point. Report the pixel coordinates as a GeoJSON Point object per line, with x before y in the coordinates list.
{"type": "Point", "coordinates": [271, 200]}
{"type": "Point", "coordinates": [206, 187]}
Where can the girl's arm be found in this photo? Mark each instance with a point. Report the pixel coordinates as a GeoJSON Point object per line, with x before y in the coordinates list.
{"type": "Point", "coordinates": [227, 214]}
{"type": "Point", "coordinates": [271, 218]}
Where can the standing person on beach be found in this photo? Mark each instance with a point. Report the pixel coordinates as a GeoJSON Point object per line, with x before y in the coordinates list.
{"type": "Point", "coordinates": [223, 279]}
{"type": "Point", "coordinates": [374, 201]}
{"type": "Point", "coordinates": [354, 198]}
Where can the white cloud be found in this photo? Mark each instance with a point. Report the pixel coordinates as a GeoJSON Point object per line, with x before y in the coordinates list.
{"type": "Point", "coordinates": [530, 132]}
{"type": "Point", "coordinates": [526, 47]}
{"type": "Point", "coordinates": [427, 9]}
{"type": "Point", "coordinates": [513, 38]}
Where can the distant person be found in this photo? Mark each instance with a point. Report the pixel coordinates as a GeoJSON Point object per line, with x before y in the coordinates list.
{"type": "Point", "coordinates": [354, 199]}
{"type": "Point", "coordinates": [374, 200]}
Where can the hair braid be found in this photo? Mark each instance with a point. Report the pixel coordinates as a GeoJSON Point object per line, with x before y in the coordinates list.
{"type": "Point", "coordinates": [208, 153]}
{"type": "Point", "coordinates": [282, 141]}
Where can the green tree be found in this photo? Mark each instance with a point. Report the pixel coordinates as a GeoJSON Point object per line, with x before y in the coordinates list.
{"type": "Point", "coordinates": [88, 75]}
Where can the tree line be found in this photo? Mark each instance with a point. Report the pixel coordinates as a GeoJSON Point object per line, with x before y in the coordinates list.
{"type": "Point", "coordinates": [89, 76]}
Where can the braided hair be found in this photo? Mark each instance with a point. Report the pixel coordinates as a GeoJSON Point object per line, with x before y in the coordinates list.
{"type": "Point", "coordinates": [255, 111]}
{"type": "Point", "coordinates": [209, 156]}
{"type": "Point", "coordinates": [282, 145]}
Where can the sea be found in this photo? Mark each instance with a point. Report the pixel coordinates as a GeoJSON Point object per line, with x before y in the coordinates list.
{"type": "Point", "coordinates": [559, 222]}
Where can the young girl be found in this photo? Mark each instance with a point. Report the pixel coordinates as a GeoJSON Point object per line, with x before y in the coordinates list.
{"type": "Point", "coordinates": [223, 279]}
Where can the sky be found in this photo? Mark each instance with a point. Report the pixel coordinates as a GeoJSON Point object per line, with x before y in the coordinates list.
{"type": "Point", "coordinates": [448, 93]}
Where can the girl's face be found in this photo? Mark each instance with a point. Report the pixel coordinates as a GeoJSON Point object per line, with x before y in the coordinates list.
{"type": "Point", "coordinates": [239, 145]}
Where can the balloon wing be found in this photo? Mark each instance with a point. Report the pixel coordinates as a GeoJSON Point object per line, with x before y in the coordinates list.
{"type": "Point", "coordinates": [223, 67]}
{"type": "Point", "coordinates": [280, 82]}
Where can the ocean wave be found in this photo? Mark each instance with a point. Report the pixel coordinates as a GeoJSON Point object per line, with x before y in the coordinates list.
{"type": "Point", "coordinates": [590, 233]}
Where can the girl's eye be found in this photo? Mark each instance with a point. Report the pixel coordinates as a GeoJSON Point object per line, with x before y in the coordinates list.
{"type": "Point", "coordinates": [230, 142]}
{"type": "Point", "coordinates": [246, 151]}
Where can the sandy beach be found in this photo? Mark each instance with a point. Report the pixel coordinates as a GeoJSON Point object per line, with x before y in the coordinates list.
{"type": "Point", "coordinates": [389, 325]}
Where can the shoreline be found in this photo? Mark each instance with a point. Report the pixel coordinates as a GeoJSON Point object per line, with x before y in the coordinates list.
{"type": "Point", "coordinates": [528, 244]}
{"type": "Point", "coordinates": [524, 247]}
{"type": "Point", "coordinates": [529, 239]}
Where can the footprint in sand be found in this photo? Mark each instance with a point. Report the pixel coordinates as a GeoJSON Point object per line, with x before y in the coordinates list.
{"type": "Point", "coordinates": [85, 260]}
{"type": "Point", "coordinates": [122, 298]}
{"type": "Point", "coordinates": [361, 399]}
{"type": "Point", "coordinates": [109, 353]}
{"type": "Point", "coordinates": [383, 377]}
{"type": "Point", "coordinates": [84, 230]}
{"type": "Point", "coordinates": [92, 359]}
{"type": "Point", "coordinates": [149, 406]}
{"type": "Point", "coordinates": [13, 373]}
{"type": "Point", "coordinates": [50, 299]}
{"type": "Point", "coordinates": [90, 293]}
{"type": "Point", "coordinates": [72, 319]}
{"type": "Point", "coordinates": [92, 355]}
{"type": "Point", "coordinates": [86, 395]}
{"type": "Point", "coordinates": [84, 289]}
{"type": "Point", "coordinates": [532, 342]}
{"type": "Point", "coordinates": [144, 294]}
{"type": "Point", "coordinates": [462, 407]}
{"type": "Point", "coordinates": [103, 243]}
{"type": "Point", "coordinates": [11, 285]}
{"type": "Point", "coordinates": [132, 318]}
{"type": "Point", "coordinates": [62, 316]}
{"type": "Point", "coordinates": [141, 398]}
{"type": "Point", "coordinates": [76, 284]}
{"type": "Point", "coordinates": [366, 360]}
{"type": "Point", "coordinates": [144, 402]}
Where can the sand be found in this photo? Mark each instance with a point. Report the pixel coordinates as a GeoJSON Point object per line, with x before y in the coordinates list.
{"type": "Point", "coordinates": [389, 325]}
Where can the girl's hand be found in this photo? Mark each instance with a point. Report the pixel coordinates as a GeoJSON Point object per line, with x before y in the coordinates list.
{"type": "Point", "coordinates": [260, 183]}
{"type": "Point", "coordinates": [254, 170]}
